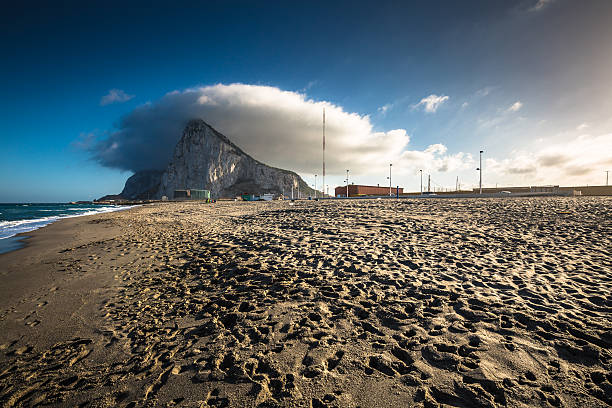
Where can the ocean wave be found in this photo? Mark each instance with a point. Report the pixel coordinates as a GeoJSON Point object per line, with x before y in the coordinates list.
{"type": "Point", "coordinates": [12, 228]}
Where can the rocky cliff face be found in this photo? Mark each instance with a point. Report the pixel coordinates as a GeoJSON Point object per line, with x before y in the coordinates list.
{"type": "Point", "coordinates": [205, 159]}
{"type": "Point", "coordinates": [142, 185]}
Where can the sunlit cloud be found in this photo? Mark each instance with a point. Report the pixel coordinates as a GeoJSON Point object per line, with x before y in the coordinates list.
{"type": "Point", "coordinates": [558, 163]}
{"type": "Point", "coordinates": [280, 128]}
{"type": "Point", "coordinates": [431, 103]}
{"type": "Point", "coordinates": [515, 107]}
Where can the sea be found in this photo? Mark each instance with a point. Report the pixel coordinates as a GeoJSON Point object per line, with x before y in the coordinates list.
{"type": "Point", "coordinates": [24, 217]}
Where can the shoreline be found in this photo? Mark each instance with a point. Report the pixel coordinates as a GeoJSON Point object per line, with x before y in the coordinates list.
{"type": "Point", "coordinates": [13, 243]}
{"type": "Point", "coordinates": [37, 263]}
{"type": "Point", "coordinates": [19, 240]}
{"type": "Point", "coordinates": [465, 302]}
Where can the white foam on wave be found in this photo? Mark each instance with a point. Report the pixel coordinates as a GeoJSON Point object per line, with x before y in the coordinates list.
{"type": "Point", "coordinates": [12, 228]}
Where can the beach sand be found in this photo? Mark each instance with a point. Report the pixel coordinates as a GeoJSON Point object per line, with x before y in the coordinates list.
{"type": "Point", "coordinates": [359, 303]}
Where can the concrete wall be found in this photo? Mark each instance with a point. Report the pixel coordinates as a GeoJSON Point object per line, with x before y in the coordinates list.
{"type": "Point", "coordinates": [590, 190]}
{"type": "Point", "coordinates": [531, 189]}
{"type": "Point", "coordinates": [586, 190]}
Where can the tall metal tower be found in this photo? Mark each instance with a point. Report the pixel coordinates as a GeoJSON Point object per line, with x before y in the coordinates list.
{"type": "Point", "coordinates": [323, 152]}
{"type": "Point", "coordinates": [421, 181]}
{"type": "Point", "coordinates": [480, 170]}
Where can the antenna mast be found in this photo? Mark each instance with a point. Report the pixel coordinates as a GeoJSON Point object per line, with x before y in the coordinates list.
{"type": "Point", "coordinates": [323, 152]}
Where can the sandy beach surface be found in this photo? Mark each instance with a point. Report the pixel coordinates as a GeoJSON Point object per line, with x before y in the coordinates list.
{"type": "Point", "coordinates": [360, 303]}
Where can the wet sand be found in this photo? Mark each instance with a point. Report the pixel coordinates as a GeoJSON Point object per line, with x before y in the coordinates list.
{"type": "Point", "coordinates": [361, 303]}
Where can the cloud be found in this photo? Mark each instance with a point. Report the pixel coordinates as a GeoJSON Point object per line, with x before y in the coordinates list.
{"type": "Point", "coordinates": [432, 103]}
{"type": "Point", "coordinates": [115, 96]}
{"type": "Point", "coordinates": [383, 109]}
{"type": "Point", "coordinates": [582, 126]}
{"type": "Point", "coordinates": [434, 159]}
{"type": "Point", "coordinates": [485, 91]}
{"type": "Point", "coordinates": [540, 4]}
{"type": "Point", "coordinates": [85, 141]}
{"type": "Point", "coordinates": [552, 159]}
{"type": "Point", "coordinates": [502, 117]}
{"type": "Point", "coordinates": [280, 128]}
{"type": "Point", "coordinates": [310, 84]}
{"type": "Point", "coordinates": [516, 106]}
{"type": "Point", "coordinates": [522, 170]}
{"type": "Point", "coordinates": [488, 123]}
{"type": "Point", "coordinates": [576, 161]}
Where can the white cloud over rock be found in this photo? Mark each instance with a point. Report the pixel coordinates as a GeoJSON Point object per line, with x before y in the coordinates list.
{"type": "Point", "coordinates": [280, 128]}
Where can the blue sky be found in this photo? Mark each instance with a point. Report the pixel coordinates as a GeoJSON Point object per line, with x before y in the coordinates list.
{"type": "Point", "coordinates": [528, 81]}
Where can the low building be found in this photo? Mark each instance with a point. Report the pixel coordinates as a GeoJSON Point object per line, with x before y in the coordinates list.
{"type": "Point", "coordinates": [356, 190]}
{"type": "Point", "coordinates": [191, 194]}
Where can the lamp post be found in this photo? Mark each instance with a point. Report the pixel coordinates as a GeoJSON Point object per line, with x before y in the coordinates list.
{"type": "Point", "coordinates": [607, 171]}
{"type": "Point", "coordinates": [315, 186]}
{"type": "Point", "coordinates": [421, 181]}
{"type": "Point", "coordinates": [390, 193]}
{"type": "Point", "coordinates": [347, 178]}
{"type": "Point", "coordinates": [480, 170]}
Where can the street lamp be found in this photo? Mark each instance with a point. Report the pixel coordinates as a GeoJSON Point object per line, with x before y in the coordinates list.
{"type": "Point", "coordinates": [480, 170]}
{"type": "Point", "coordinates": [421, 181]}
{"type": "Point", "coordinates": [347, 178]}
{"type": "Point", "coordinates": [607, 171]}
{"type": "Point", "coordinates": [315, 186]}
{"type": "Point", "coordinates": [390, 194]}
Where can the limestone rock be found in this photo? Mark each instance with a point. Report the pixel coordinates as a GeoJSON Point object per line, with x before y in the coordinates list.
{"type": "Point", "coordinates": [142, 185]}
{"type": "Point", "coordinates": [205, 159]}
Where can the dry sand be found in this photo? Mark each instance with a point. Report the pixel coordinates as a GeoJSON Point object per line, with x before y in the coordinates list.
{"type": "Point", "coordinates": [493, 302]}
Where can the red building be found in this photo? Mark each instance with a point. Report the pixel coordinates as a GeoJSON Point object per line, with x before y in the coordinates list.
{"type": "Point", "coordinates": [355, 190]}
